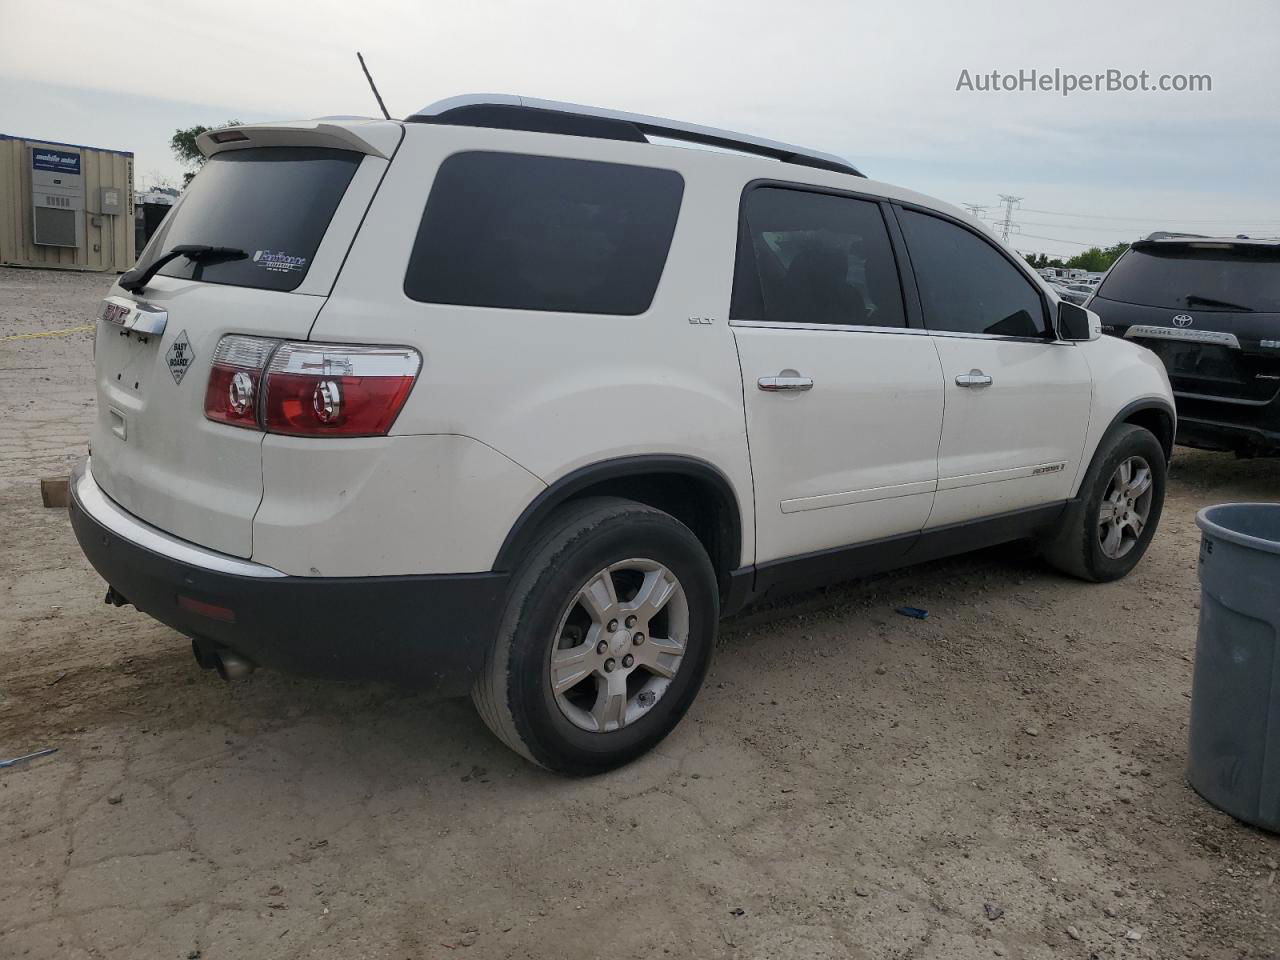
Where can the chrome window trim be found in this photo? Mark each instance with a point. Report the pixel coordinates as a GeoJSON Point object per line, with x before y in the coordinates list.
{"type": "Point", "coordinates": [107, 513]}
{"type": "Point", "coordinates": [871, 328]}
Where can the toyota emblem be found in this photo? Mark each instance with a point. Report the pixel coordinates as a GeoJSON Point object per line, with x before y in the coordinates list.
{"type": "Point", "coordinates": [1182, 320]}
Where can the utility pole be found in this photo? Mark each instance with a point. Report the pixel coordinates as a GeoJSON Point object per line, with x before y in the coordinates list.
{"type": "Point", "coordinates": [977, 209]}
{"type": "Point", "coordinates": [1007, 225]}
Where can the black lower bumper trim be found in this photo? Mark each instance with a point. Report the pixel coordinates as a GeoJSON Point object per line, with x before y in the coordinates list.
{"type": "Point", "coordinates": [1220, 435]}
{"type": "Point", "coordinates": [428, 631]}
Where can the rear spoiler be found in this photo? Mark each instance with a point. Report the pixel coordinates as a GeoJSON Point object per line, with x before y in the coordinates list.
{"type": "Point", "coordinates": [377, 138]}
{"type": "Point", "coordinates": [1262, 245]}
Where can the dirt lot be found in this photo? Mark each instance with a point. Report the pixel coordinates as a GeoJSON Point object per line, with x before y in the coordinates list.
{"type": "Point", "coordinates": [851, 783]}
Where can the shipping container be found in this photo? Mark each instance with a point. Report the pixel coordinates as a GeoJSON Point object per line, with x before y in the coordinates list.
{"type": "Point", "coordinates": [65, 206]}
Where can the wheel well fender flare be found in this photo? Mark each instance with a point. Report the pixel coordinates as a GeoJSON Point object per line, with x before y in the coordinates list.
{"type": "Point", "coordinates": [1154, 413]}
{"type": "Point", "coordinates": [1140, 412]}
{"type": "Point", "coordinates": [601, 476]}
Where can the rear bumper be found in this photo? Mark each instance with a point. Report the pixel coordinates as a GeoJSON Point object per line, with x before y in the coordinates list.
{"type": "Point", "coordinates": [1222, 425]}
{"type": "Point", "coordinates": [426, 630]}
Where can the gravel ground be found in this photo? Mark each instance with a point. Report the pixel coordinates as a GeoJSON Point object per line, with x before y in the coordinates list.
{"type": "Point", "coordinates": [1002, 779]}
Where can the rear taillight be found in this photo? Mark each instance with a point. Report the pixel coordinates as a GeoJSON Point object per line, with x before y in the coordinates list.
{"type": "Point", "coordinates": [310, 389]}
{"type": "Point", "coordinates": [319, 390]}
{"type": "Point", "coordinates": [235, 380]}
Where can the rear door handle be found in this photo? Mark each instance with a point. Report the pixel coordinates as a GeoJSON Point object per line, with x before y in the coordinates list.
{"type": "Point", "coordinates": [787, 380]}
{"type": "Point", "coordinates": [974, 378]}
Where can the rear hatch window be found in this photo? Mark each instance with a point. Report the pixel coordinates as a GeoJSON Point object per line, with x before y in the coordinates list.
{"type": "Point", "coordinates": [271, 203]}
{"type": "Point", "coordinates": [1238, 278]}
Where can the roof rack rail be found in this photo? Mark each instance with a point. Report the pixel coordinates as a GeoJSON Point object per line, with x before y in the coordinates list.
{"type": "Point", "coordinates": [1171, 235]}
{"type": "Point", "coordinates": [508, 112]}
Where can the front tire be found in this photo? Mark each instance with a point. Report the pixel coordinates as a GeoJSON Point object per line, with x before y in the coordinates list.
{"type": "Point", "coordinates": [605, 640]}
{"type": "Point", "coordinates": [1107, 529]}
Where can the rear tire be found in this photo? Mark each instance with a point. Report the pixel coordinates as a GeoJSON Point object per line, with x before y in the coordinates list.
{"type": "Point", "coordinates": [585, 675]}
{"type": "Point", "coordinates": [1108, 527]}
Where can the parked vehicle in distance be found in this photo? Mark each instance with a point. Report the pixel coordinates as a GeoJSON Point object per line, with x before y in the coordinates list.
{"type": "Point", "coordinates": [1063, 274]}
{"type": "Point", "coordinates": [1210, 309]}
{"type": "Point", "coordinates": [505, 399]}
{"type": "Point", "coordinates": [1076, 293]}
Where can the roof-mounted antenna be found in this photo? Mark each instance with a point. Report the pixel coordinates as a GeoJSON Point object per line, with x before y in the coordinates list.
{"type": "Point", "coordinates": [372, 86]}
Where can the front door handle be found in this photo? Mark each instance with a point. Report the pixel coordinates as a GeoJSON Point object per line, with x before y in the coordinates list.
{"type": "Point", "coordinates": [787, 380]}
{"type": "Point", "coordinates": [974, 378]}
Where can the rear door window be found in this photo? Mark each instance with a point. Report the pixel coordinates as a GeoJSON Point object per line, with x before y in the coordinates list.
{"type": "Point", "coordinates": [807, 257]}
{"type": "Point", "coordinates": [544, 233]}
{"type": "Point", "coordinates": [1181, 277]}
{"type": "Point", "coordinates": [272, 203]}
{"type": "Point", "coordinates": [967, 285]}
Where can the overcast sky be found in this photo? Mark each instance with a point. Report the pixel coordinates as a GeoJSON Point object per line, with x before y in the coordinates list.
{"type": "Point", "coordinates": [874, 82]}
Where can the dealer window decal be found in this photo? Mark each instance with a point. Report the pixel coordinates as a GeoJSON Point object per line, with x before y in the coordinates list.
{"type": "Point", "coordinates": [180, 357]}
{"type": "Point", "coordinates": [278, 262]}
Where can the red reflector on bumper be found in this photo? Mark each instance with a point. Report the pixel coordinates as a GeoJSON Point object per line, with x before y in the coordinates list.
{"type": "Point", "coordinates": [210, 610]}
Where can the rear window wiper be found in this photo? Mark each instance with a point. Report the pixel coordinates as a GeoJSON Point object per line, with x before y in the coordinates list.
{"type": "Point", "coordinates": [1211, 302]}
{"type": "Point", "coordinates": [136, 279]}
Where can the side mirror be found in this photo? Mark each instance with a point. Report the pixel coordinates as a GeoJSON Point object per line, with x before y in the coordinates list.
{"type": "Point", "coordinates": [1077, 324]}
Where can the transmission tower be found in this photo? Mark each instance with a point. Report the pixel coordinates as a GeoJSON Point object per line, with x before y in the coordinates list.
{"type": "Point", "coordinates": [977, 209]}
{"type": "Point", "coordinates": [1007, 225]}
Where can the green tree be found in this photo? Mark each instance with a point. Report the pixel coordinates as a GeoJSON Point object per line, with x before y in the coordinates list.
{"type": "Point", "coordinates": [183, 145]}
{"type": "Point", "coordinates": [1114, 252]}
{"type": "Point", "coordinates": [1093, 259]}
{"type": "Point", "coordinates": [1096, 259]}
{"type": "Point", "coordinates": [1040, 261]}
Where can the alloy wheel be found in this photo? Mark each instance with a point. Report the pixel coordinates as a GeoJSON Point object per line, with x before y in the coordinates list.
{"type": "Point", "coordinates": [619, 645]}
{"type": "Point", "coordinates": [1125, 507]}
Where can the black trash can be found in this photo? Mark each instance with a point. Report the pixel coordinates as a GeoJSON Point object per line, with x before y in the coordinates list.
{"type": "Point", "coordinates": [1234, 756]}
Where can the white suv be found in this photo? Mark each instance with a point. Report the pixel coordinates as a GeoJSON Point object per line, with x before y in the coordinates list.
{"type": "Point", "coordinates": [506, 398]}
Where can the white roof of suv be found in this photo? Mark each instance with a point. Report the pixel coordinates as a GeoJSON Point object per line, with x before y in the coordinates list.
{"type": "Point", "coordinates": [502, 109]}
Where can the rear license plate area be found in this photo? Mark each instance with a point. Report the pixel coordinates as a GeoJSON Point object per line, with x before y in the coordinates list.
{"type": "Point", "coordinates": [1213, 370]}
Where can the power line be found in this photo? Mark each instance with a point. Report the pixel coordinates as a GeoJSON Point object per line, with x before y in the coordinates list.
{"type": "Point", "coordinates": [1092, 228]}
{"type": "Point", "coordinates": [1076, 243]}
{"type": "Point", "coordinates": [1104, 216]}
{"type": "Point", "coordinates": [1007, 225]}
{"type": "Point", "coordinates": [1072, 226]}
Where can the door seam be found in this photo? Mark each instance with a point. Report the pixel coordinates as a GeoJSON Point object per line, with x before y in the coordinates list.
{"type": "Point", "coordinates": [942, 430]}
{"type": "Point", "coordinates": [751, 465]}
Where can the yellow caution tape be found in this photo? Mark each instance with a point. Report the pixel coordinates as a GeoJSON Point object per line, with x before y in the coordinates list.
{"type": "Point", "coordinates": [48, 333]}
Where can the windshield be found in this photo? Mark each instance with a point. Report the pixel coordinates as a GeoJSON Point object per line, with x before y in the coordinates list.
{"type": "Point", "coordinates": [1180, 277]}
{"type": "Point", "coordinates": [274, 203]}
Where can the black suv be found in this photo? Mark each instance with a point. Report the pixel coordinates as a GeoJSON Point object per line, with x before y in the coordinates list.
{"type": "Point", "coordinates": [1210, 308]}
